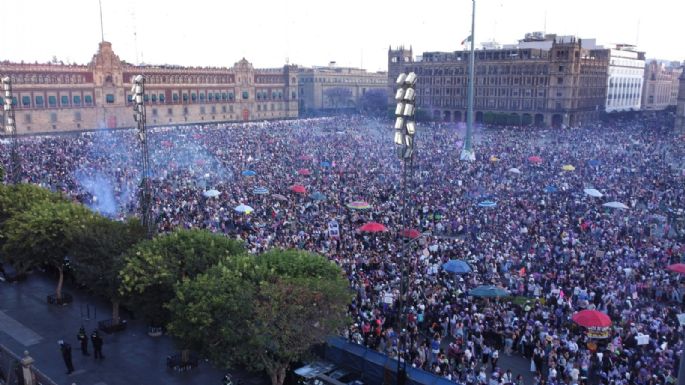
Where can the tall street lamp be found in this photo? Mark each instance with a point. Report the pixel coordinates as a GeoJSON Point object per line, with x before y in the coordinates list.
{"type": "Point", "coordinates": [11, 129]}
{"type": "Point", "coordinates": [138, 91]}
{"type": "Point", "coordinates": [405, 129]}
{"type": "Point", "coordinates": [467, 153]}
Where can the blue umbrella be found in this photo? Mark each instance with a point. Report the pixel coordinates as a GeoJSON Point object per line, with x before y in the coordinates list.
{"type": "Point", "coordinates": [551, 189]}
{"type": "Point", "coordinates": [260, 190]}
{"type": "Point", "coordinates": [248, 173]}
{"type": "Point", "coordinates": [325, 164]}
{"type": "Point", "coordinates": [593, 162]}
{"type": "Point", "coordinates": [456, 266]}
{"type": "Point", "coordinates": [488, 291]}
{"type": "Point", "coordinates": [317, 196]}
{"type": "Point", "coordinates": [211, 193]}
{"type": "Point", "coordinates": [487, 204]}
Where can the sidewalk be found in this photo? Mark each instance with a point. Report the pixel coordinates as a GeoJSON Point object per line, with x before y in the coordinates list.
{"type": "Point", "coordinates": [27, 322]}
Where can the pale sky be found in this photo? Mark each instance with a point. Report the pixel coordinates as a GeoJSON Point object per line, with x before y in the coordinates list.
{"type": "Point", "coordinates": [314, 32]}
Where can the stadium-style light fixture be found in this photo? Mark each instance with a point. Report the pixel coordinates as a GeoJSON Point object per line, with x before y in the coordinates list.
{"type": "Point", "coordinates": [11, 130]}
{"type": "Point", "coordinates": [138, 91]}
{"type": "Point", "coordinates": [405, 126]}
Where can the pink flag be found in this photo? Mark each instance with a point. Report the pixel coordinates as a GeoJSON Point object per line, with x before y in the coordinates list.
{"type": "Point", "coordinates": [561, 294]}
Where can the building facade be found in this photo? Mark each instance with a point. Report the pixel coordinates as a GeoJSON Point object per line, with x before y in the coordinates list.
{"type": "Point", "coordinates": [660, 89]}
{"type": "Point", "coordinates": [544, 80]}
{"type": "Point", "coordinates": [626, 76]}
{"type": "Point", "coordinates": [680, 108]}
{"type": "Point", "coordinates": [335, 88]}
{"type": "Point", "coordinates": [57, 98]}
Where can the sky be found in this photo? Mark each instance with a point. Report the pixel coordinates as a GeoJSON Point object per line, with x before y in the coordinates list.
{"type": "Point", "coordinates": [354, 33]}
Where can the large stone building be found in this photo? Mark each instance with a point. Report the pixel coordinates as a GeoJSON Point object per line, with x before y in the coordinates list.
{"type": "Point", "coordinates": [542, 80]}
{"type": "Point", "coordinates": [660, 89]}
{"type": "Point", "coordinates": [680, 109]}
{"type": "Point", "coordinates": [57, 98]}
{"type": "Point", "coordinates": [626, 76]}
{"type": "Point", "coordinates": [335, 88]}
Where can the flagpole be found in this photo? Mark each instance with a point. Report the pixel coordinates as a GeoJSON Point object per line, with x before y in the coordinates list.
{"type": "Point", "coordinates": [467, 152]}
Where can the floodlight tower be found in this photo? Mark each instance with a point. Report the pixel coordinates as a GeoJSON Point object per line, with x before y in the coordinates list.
{"type": "Point", "coordinates": [405, 129]}
{"type": "Point", "coordinates": [467, 153]}
{"type": "Point", "coordinates": [11, 130]}
{"type": "Point", "coordinates": [138, 90]}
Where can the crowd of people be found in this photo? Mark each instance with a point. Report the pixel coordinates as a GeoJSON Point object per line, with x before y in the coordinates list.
{"type": "Point", "coordinates": [554, 248]}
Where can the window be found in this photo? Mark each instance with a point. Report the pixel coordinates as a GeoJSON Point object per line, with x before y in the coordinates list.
{"type": "Point", "coordinates": [230, 96]}
{"type": "Point", "coordinates": [146, 98]}
{"type": "Point", "coordinates": [53, 117]}
{"type": "Point", "coordinates": [89, 99]}
{"type": "Point", "coordinates": [39, 101]}
{"type": "Point", "coordinates": [154, 98]}
{"type": "Point", "coordinates": [27, 118]}
{"type": "Point", "coordinates": [76, 99]}
{"type": "Point", "coordinates": [154, 112]}
{"type": "Point", "coordinates": [202, 109]}
{"type": "Point", "coordinates": [109, 98]}
{"type": "Point", "coordinates": [77, 116]}
{"type": "Point", "coordinates": [246, 95]}
{"type": "Point", "coordinates": [26, 101]}
{"type": "Point", "coordinates": [130, 98]}
{"type": "Point", "coordinates": [210, 96]}
{"type": "Point", "coordinates": [52, 100]}
{"type": "Point", "coordinates": [185, 98]}
{"type": "Point", "coordinates": [202, 97]}
{"type": "Point", "coordinates": [170, 111]}
{"type": "Point", "coordinates": [224, 96]}
{"type": "Point", "coordinates": [161, 98]}
{"type": "Point", "coordinates": [223, 109]}
{"type": "Point", "coordinates": [65, 100]}
{"type": "Point", "coordinates": [185, 110]}
{"type": "Point", "coordinates": [175, 97]}
{"type": "Point", "coordinates": [213, 109]}
{"type": "Point", "coordinates": [560, 80]}
{"type": "Point", "coordinates": [193, 97]}
{"type": "Point", "coordinates": [218, 95]}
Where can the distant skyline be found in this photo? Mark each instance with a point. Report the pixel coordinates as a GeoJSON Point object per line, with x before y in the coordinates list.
{"type": "Point", "coordinates": [308, 32]}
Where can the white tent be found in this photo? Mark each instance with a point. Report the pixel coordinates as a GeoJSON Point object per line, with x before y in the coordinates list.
{"type": "Point", "coordinates": [593, 193]}
{"type": "Point", "coordinates": [211, 193]}
{"type": "Point", "coordinates": [616, 205]}
{"type": "Point", "coordinates": [514, 170]}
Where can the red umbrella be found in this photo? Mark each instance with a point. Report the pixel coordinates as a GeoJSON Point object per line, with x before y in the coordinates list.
{"type": "Point", "coordinates": [304, 171]}
{"type": "Point", "coordinates": [372, 227]}
{"type": "Point", "coordinates": [410, 233]}
{"type": "Point", "coordinates": [167, 143]}
{"type": "Point", "coordinates": [535, 159]}
{"type": "Point", "coordinates": [306, 157]}
{"type": "Point", "coordinates": [592, 319]}
{"type": "Point", "coordinates": [677, 268]}
{"type": "Point", "coordinates": [298, 188]}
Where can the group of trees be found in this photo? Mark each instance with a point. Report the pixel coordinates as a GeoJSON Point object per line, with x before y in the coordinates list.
{"type": "Point", "coordinates": [260, 311]}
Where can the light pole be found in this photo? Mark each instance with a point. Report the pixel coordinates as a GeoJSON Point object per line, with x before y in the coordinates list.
{"type": "Point", "coordinates": [11, 129]}
{"type": "Point", "coordinates": [405, 129]}
{"type": "Point", "coordinates": [138, 90]}
{"type": "Point", "coordinates": [467, 153]}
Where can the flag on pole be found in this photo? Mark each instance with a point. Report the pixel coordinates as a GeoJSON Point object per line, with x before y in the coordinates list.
{"type": "Point", "coordinates": [467, 40]}
{"type": "Point", "coordinates": [522, 272]}
{"type": "Point", "coordinates": [561, 294]}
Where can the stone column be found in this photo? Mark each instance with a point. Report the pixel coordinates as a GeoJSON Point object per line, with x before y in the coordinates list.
{"type": "Point", "coordinates": [26, 363]}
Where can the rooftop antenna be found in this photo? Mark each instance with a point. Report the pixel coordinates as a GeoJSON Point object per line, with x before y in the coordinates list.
{"type": "Point", "coordinates": [102, 28]}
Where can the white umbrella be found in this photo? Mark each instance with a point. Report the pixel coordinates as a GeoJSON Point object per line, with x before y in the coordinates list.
{"type": "Point", "coordinates": [211, 193]}
{"type": "Point", "coordinates": [514, 170]}
{"type": "Point", "coordinates": [242, 208]}
{"type": "Point", "coordinates": [593, 193]}
{"type": "Point", "coordinates": [616, 205]}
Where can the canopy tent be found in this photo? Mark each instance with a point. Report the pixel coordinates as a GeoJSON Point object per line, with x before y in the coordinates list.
{"type": "Point", "coordinates": [248, 173]}
{"type": "Point", "coordinates": [514, 170]}
{"type": "Point", "coordinates": [593, 193]}
{"type": "Point", "coordinates": [616, 205]}
{"type": "Point", "coordinates": [260, 190]}
{"type": "Point", "coordinates": [488, 291]}
{"type": "Point", "coordinates": [568, 167]}
{"type": "Point", "coordinates": [487, 204]}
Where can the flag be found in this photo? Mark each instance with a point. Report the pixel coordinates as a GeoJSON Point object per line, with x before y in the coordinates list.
{"type": "Point", "coordinates": [561, 294]}
{"type": "Point", "coordinates": [522, 272]}
{"type": "Point", "coordinates": [467, 40]}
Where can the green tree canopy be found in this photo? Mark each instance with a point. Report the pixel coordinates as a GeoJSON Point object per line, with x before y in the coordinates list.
{"type": "Point", "coordinates": [15, 199]}
{"type": "Point", "coordinates": [44, 234]}
{"type": "Point", "coordinates": [153, 267]}
{"type": "Point", "coordinates": [264, 312]}
{"type": "Point", "coordinates": [97, 256]}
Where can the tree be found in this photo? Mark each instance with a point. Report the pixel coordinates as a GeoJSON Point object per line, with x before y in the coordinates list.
{"type": "Point", "coordinates": [98, 256]}
{"type": "Point", "coordinates": [45, 234]}
{"type": "Point", "coordinates": [374, 101]}
{"type": "Point", "coordinates": [153, 267]}
{"type": "Point", "coordinates": [19, 198]}
{"type": "Point", "coordinates": [338, 97]}
{"type": "Point", "coordinates": [263, 312]}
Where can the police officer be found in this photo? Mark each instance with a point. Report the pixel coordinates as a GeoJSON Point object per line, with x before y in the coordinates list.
{"type": "Point", "coordinates": [83, 340]}
{"type": "Point", "coordinates": [66, 355]}
{"type": "Point", "coordinates": [97, 344]}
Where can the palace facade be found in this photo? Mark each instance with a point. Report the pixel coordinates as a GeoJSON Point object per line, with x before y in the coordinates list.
{"type": "Point", "coordinates": [543, 80]}
{"type": "Point", "coordinates": [51, 98]}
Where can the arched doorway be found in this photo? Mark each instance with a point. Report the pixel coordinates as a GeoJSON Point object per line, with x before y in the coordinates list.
{"type": "Point", "coordinates": [539, 120]}
{"type": "Point", "coordinates": [479, 117]}
{"type": "Point", "coordinates": [526, 120]}
{"type": "Point", "coordinates": [557, 120]}
{"type": "Point", "coordinates": [246, 114]}
{"type": "Point", "coordinates": [514, 119]}
{"type": "Point", "coordinates": [436, 114]}
{"type": "Point", "coordinates": [457, 116]}
{"type": "Point", "coordinates": [447, 116]}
